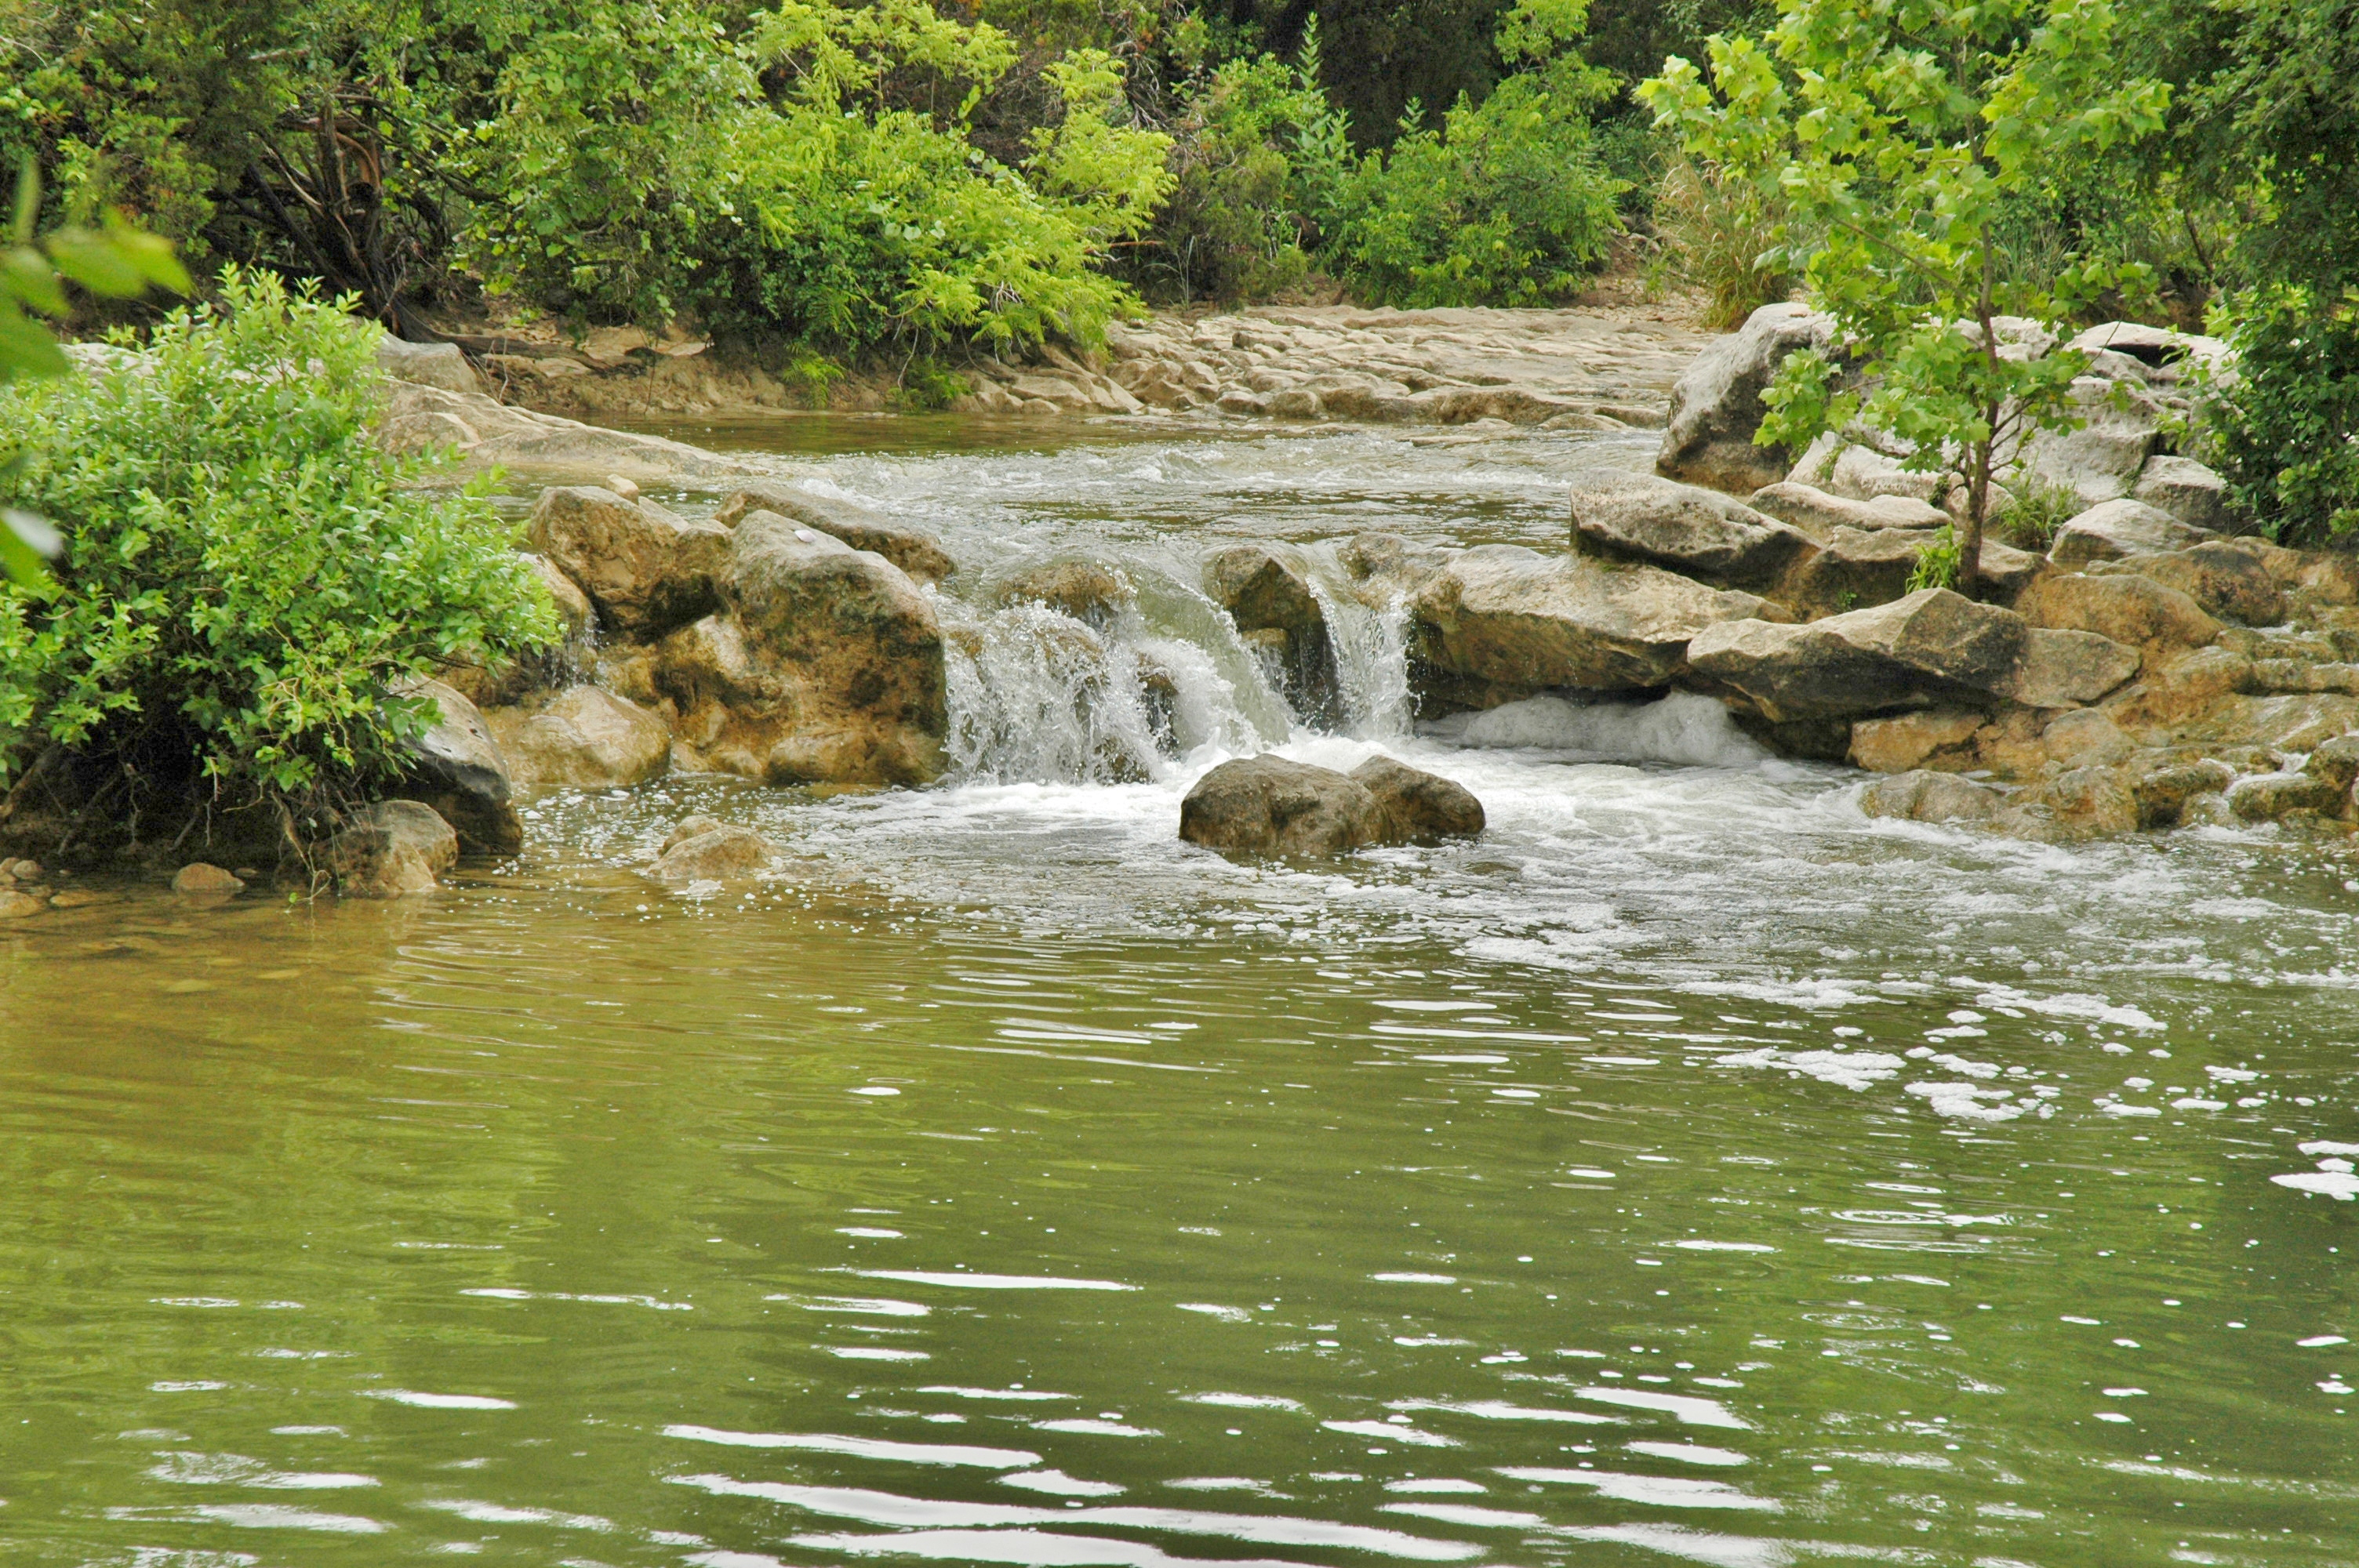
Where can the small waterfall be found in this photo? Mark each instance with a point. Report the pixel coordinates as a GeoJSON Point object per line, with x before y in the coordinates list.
{"type": "Point", "coordinates": [1371, 660]}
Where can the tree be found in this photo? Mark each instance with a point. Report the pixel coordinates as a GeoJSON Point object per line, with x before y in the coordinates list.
{"type": "Point", "coordinates": [116, 260]}
{"type": "Point", "coordinates": [1899, 129]}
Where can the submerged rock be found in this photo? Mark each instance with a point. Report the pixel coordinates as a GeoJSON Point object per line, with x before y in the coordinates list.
{"type": "Point", "coordinates": [391, 849]}
{"type": "Point", "coordinates": [1268, 805]}
{"type": "Point", "coordinates": [1419, 805]}
{"type": "Point", "coordinates": [200, 877]}
{"type": "Point", "coordinates": [716, 853]}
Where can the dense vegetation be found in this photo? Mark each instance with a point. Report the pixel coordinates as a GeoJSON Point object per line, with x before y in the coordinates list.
{"type": "Point", "coordinates": [245, 578]}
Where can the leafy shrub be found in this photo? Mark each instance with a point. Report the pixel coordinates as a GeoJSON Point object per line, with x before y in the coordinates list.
{"type": "Point", "coordinates": [2283, 429]}
{"type": "Point", "coordinates": [2038, 508]}
{"type": "Point", "coordinates": [1507, 204]}
{"type": "Point", "coordinates": [1726, 237]}
{"type": "Point", "coordinates": [244, 575]}
{"type": "Point", "coordinates": [1260, 157]}
{"type": "Point", "coordinates": [1938, 563]}
{"type": "Point", "coordinates": [814, 179]}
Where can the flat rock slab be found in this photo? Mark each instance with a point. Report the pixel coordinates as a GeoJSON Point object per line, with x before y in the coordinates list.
{"type": "Point", "coordinates": [1695, 532]}
{"type": "Point", "coordinates": [1931, 648]}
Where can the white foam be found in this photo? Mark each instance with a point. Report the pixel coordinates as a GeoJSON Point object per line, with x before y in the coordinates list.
{"type": "Point", "coordinates": [1682, 727]}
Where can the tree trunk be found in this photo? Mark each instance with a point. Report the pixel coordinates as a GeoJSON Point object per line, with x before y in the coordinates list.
{"type": "Point", "coordinates": [1970, 539]}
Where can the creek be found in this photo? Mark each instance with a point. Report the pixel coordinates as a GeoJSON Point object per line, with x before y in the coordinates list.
{"type": "Point", "coordinates": [1690, 1170]}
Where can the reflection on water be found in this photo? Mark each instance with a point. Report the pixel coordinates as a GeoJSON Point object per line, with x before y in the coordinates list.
{"type": "Point", "coordinates": [1690, 1171]}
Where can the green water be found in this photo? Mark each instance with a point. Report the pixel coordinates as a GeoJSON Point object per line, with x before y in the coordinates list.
{"type": "Point", "coordinates": [1005, 1183]}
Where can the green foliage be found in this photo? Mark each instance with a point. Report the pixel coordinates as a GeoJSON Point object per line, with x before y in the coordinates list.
{"type": "Point", "coordinates": [1938, 563]}
{"type": "Point", "coordinates": [2034, 510]}
{"type": "Point", "coordinates": [1260, 159]}
{"type": "Point", "coordinates": [926, 385]}
{"type": "Point", "coordinates": [1898, 134]}
{"type": "Point", "coordinates": [1723, 236]}
{"type": "Point", "coordinates": [2283, 430]}
{"type": "Point", "coordinates": [814, 178]}
{"type": "Point", "coordinates": [244, 574]}
{"type": "Point", "coordinates": [1507, 202]}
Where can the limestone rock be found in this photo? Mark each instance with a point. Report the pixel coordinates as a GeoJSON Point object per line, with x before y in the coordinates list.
{"type": "Point", "coordinates": [197, 877]}
{"type": "Point", "coordinates": [1818, 512]}
{"type": "Point", "coordinates": [1854, 571]}
{"type": "Point", "coordinates": [2266, 798]}
{"type": "Point", "coordinates": [2185, 489]}
{"type": "Point", "coordinates": [2079, 803]}
{"type": "Point", "coordinates": [2127, 608]}
{"type": "Point", "coordinates": [1927, 796]}
{"type": "Point", "coordinates": [827, 666]}
{"type": "Point", "coordinates": [718, 854]}
{"type": "Point", "coordinates": [2112, 529]}
{"type": "Point", "coordinates": [1716, 405]}
{"type": "Point", "coordinates": [1273, 603]}
{"type": "Point", "coordinates": [1093, 595]}
{"type": "Point", "coordinates": [646, 571]}
{"type": "Point", "coordinates": [2121, 427]}
{"type": "Point", "coordinates": [687, 827]}
{"type": "Point", "coordinates": [2226, 579]}
{"type": "Point", "coordinates": [2335, 760]}
{"type": "Point", "coordinates": [1932, 648]}
{"type": "Point", "coordinates": [1268, 805]}
{"type": "Point", "coordinates": [1907, 742]}
{"type": "Point", "coordinates": [2152, 346]}
{"type": "Point", "coordinates": [1386, 567]}
{"type": "Point", "coordinates": [1502, 621]}
{"type": "Point", "coordinates": [2184, 688]}
{"type": "Point", "coordinates": [429, 364]}
{"type": "Point", "coordinates": [1695, 532]}
{"type": "Point", "coordinates": [585, 737]}
{"type": "Point", "coordinates": [2070, 669]}
{"type": "Point", "coordinates": [1419, 805]}
{"type": "Point", "coordinates": [2164, 781]}
{"type": "Point", "coordinates": [916, 552]}
{"type": "Point", "coordinates": [393, 848]}
{"type": "Point", "coordinates": [2085, 738]}
{"type": "Point", "coordinates": [458, 769]}
{"type": "Point", "coordinates": [16, 905]}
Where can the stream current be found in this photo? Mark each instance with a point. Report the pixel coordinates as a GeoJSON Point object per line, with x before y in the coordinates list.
{"type": "Point", "coordinates": [1691, 1170]}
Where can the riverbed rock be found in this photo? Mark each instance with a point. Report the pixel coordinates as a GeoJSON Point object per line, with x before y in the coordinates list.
{"type": "Point", "coordinates": [1095, 595]}
{"type": "Point", "coordinates": [1942, 738]}
{"type": "Point", "coordinates": [2270, 798]}
{"type": "Point", "coordinates": [1268, 805]}
{"type": "Point", "coordinates": [2128, 608]}
{"type": "Point", "coordinates": [1386, 567]}
{"type": "Point", "coordinates": [201, 879]}
{"type": "Point", "coordinates": [585, 737]}
{"type": "Point", "coordinates": [429, 364]}
{"type": "Point", "coordinates": [2163, 780]}
{"type": "Point", "coordinates": [1418, 805]}
{"type": "Point", "coordinates": [17, 904]}
{"type": "Point", "coordinates": [1698, 532]}
{"type": "Point", "coordinates": [1502, 622]}
{"type": "Point", "coordinates": [646, 571]}
{"type": "Point", "coordinates": [2079, 803]}
{"type": "Point", "coordinates": [2185, 489]}
{"type": "Point", "coordinates": [826, 666]}
{"type": "Point", "coordinates": [720, 853]}
{"type": "Point", "coordinates": [2112, 529]}
{"type": "Point", "coordinates": [391, 849]}
{"type": "Point", "coordinates": [1716, 405]}
{"type": "Point", "coordinates": [914, 551]}
{"type": "Point", "coordinates": [2224, 578]}
{"type": "Point", "coordinates": [2335, 760]}
{"type": "Point", "coordinates": [457, 768]}
{"type": "Point", "coordinates": [1932, 648]}
{"type": "Point", "coordinates": [1272, 602]}
{"type": "Point", "coordinates": [1819, 512]}
{"type": "Point", "coordinates": [1923, 795]}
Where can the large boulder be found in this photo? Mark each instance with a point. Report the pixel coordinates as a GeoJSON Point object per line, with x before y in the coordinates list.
{"type": "Point", "coordinates": [1716, 405]}
{"type": "Point", "coordinates": [2227, 580]}
{"type": "Point", "coordinates": [826, 666]}
{"type": "Point", "coordinates": [2112, 529]}
{"type": "Point", "coordinates": [1932, 648]}
{"type": "Point", "coordinates": [646, 571]}
{"type": "Point", "coordinates": [2121, 429]}
{"type": "Point", "coordinates": [457, 769]}
{"type": "Point", "coordinates": [2126, 607]}
{"type": "Point", "coordinates": [1419, 805]}
{"type": "Point", "coordinates": [2187, 490]}
{"type": "Point", "coordinates": [1268, 805]}
{"type": "Point", "coordinates": [585, 737]}
{"type": "Point", "coordinates": [393, 848]}
{"type": "Point", "coordinates": [1702, 534]}
{"type": "Point", "coordinates": [914, 551]}
{"type": "Point", "coordinates": [1276, 609]}
{"type": "Point", "coordinates": [429, 364]}
{"type": "Point", "coordinates": [2070, 669]}
{"type": "Point", "coordinates": [1501, 623]}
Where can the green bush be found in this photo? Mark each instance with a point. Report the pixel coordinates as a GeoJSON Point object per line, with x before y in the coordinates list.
{"type": "Point", "coordinates": [2283, 429]}
{"type": "Point", "coordinates": [1726, 236]}
{"type": "Point", "coordinates": [2030, 518]}
{"type": "Point", "coordinates": [244, 576]}
{"type": "Point", "coordinates": [1506, 203]}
